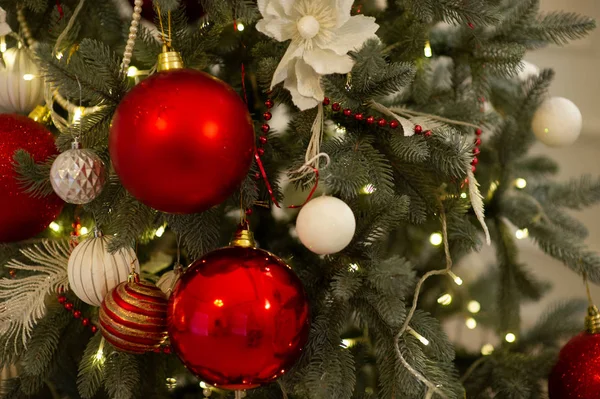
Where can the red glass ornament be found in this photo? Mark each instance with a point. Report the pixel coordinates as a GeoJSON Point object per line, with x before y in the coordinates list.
{"type": "Point", "coordinates": [348, 112]}
{"type": "Point", "coordinates": [21, 215]}
{"type": "Point", "coordinates": [238, 318]}
{"type": "Point", "coordinates": [382, 122]}
{"type": "Point", "coordinates": [62, 299]}
{"type": "Point", "coordinates": [476, 151]}
{"type": "Point", "coordinates": [478, 132]}
{"type": "Point", "coordinates": [133, 317]}
{"type": "Point", "coordinates": [336, 107]}
{"type": "Point", "coordinates": [267, 115]}
{"type": "Point", "coordinates": [263, 139]}
{"type": "Point", "coordinates": [418, 129]}
{"type": "Point", "coordinates": [326, 101]}
{"type": "Point", "coordinates": [359, 117]}
{"type": "Point", "coordinates": [181, 141]}
{"type": "Point", "coordinates": [77, 314]}
{"type": "Point", "coordinates": [265, 128]}
{"type": "Point", "coordinates": [193, 9]}
{"type": "Point", "coordinates": [69, 306]}
{"type": "Point", "coordinates": [85, 322]}
{"type": "Point", "coordinates": [261, 151]}
{"type": "Point", "coordinates": [394, 124]}
{"type": "Point", "coordinates": [269, 103]}
{"type": "Point", "coordinates": [427, 133]}
{"type": "Point", "coordinates": [249, 211]}
{"type": "Point", "coordinates": [371, 120]}
{"type": "Point", "coordinates": [473, 168]}
{"type": "Point", "coordinates": [475, 161]}
{"type": "Point", "coordinates": [94, 329]}
{"type": "Point", "coordinates": [477, 141]}
{"type": "Point", "coordinates": [577, 373]}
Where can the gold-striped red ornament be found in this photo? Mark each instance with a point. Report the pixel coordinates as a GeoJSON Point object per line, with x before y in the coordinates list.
{"type": "Point", "coordinates": [133, 316]}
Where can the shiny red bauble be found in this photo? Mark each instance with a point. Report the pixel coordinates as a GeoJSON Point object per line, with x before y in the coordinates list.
{"type": "Point", "coordinates": [576, 375]}
{"type": "Point", "coordinates": [238, 318]}
{"type": "Point", "coordinates": [193, 9]}
{"type": "Point", "coordinates": [181, 141]}
{"type": "Point", "coordinates": [133, 317]}
{"type": "Point", "coordinates": [21, 215]}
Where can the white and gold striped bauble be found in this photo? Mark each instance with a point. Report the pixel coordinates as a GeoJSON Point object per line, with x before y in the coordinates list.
{"type": "Point", "coordinates": [21, 86]}
{"type": "Point", "coordinates": [94, 271]}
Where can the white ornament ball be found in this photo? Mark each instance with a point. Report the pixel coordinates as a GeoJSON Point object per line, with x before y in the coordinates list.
{"type": "Point", "coordinates": [78, 175]}
{"type": "Point", "coordinates": [21, 86]}
{"type": "Point", "coordinates": [94, 271]}
{"type": "Point", "coordinates": [326, 225]}
{"type": "Point", "coordinates": [528, 70]}
{"type": "Point", "coordinates": [557, 122]}
{"type": "Point", "coordinates": [167, 281]}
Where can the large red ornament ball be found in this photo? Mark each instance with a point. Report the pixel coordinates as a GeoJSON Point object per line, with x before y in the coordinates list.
{"type": "Point", "coordinates": [577, 373]}
{"type": "Point", "coordinates": [238, 318]}
{"type": "Point", "coordinates": [193, 9]}
{"type": "Point", "coordinates": [21, 215]}
{"type": "Point", "coordinates": [133, 317]}
{"type": "Point", "coordinates": [182, 141]}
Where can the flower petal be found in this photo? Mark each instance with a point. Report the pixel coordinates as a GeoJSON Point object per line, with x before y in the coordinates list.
{"type": "Point", "coordinates": [287, 62]}
{"type": "Point", "coordinates": [343, 7]}
{"type": "Point", "coordinates": [353, 34]}
{"type": "Point", "coordinates": [280, 29]}
{"type": "Point", "coordinates": [309, 81]}
{"type": "Point", "coordinates": [300, 101]}
{"type": "Point", "coordinates": [326, 62]}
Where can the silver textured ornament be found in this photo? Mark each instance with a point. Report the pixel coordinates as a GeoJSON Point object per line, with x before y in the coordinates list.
{"type": "Point", "coordinates": [78, 175]}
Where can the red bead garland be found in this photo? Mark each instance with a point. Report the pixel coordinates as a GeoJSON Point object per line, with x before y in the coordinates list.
{"type": "Point", "coordinates": [77, 314]}
{"type": "Point", "coordinates": [382, 122]}
{"type": "Point", "coordinates": [418, 129]}
{"type": "Point", "coordinates": [394, 124]}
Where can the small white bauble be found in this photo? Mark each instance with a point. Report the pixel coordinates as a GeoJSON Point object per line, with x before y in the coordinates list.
{"type": "Point", "coordinates": [78, 175]}
{"type": "Point", "coordinates": [167, 281]}
{"type": "Point", "coordinates": [21, 86]}
{"type": "Point", "coordinates": [326, 225]}
{"type": "Point", "coordinates": [527, 70]}
{"type": "Point", "coordinates": [557, 122]}
{"type": "Point", "coordinates": [94, 271]}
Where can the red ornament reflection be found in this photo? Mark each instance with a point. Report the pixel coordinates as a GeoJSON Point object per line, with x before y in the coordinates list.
{"type": "Point", "coordinates": [23, 216]}
{"type": "Point", "coordinates": [576, 375]}
{"type": "Point", "coordinates": [238, 318]}
{"type": "Point", "coordinates": [181, 141]}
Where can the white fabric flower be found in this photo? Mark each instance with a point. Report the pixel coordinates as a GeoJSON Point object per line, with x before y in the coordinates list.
{"type": "Point", "coordinates": [322, 32]}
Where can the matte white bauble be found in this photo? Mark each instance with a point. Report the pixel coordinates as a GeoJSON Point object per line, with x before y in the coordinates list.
{"type": "Point", "coordinates": [527, 70]}
{"type": "Point", "coordinates": [557, 122]}
{"type": "Point", "coordinates": [21, 86]}
{"type": "Point", "coordinates": [94, 271]}
{"type": "Point", "coordinates": [167, 281]}
{"type": "Point", "coordinates": [326, 225]}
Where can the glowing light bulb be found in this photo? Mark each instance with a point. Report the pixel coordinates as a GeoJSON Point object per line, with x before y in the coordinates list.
{"type": "Point", "coordinates": [28, 77]}
{"type": "Point", "coordinates": [160, 231]}
{"type": "Point", "coordinates": [418, 336]}
{"type": "Point", "coordinates": [471, 323]}
{"type": "Point", "coordinates": [474, 307]}
{"type": "Point", "coordinates": [457, 280]}
{"type": "Point", "coordinates": [436, 239]}
{"type": "Point", "coordinates": [59, 55]}
{"type": "Point", "coordinates": [445, 300]}
{"type": "Point", "coordinates": [84, 230]}
{"type": "Point", "coordinates": [203, 385]}
{"type": "Point", "coordinates": [240, 27]}
{"type": "Point", "coordinates": [427, 50]}
{"type": "Point", "coordinates": [368, 189]}
{"type": "Point", "coordinates": [77, 114]}
{"type": "Point", "coordinates": [353, 267]}
{"type": "Point", "coordinates": [218, 303]}
{"type": "Point", "coordinates": [463, 195]}
{"type": "Point", "coordinates": [132, 71]}
{"type": "Point", "coordinates": [55, 226]}
{"type": "Point", "coordinates": [2, 44]}
{"type": "Point", "coordinates": [521, 183]}
{"type": "Point", "coordinates": [487, 349]}
{"type": "Point", "coordinates": [510, 337]}
{"type": "Point", "coordinates": [347, 343]}
{"type": "Point", "coordinates": [521, 234]}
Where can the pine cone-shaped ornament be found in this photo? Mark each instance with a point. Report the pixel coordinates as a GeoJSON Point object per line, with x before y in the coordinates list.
{"type": "Point", "coordinates": [133, 316]}
{"type": "Point", "coordinates": [78, 175]}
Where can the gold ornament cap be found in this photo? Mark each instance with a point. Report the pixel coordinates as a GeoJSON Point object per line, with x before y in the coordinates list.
{"type": "Point", "coordinates": [592, 320]}
{"type": "Point", "coordinates": [243, 238]}
{"type": "Point", "coordinates": [41, 114]}
{"type": "Point", "coordinates": [169, 60]}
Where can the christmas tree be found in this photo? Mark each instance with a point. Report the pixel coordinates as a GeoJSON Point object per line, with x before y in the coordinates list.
{"type": "Point", "coordinates": [354, 150]}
